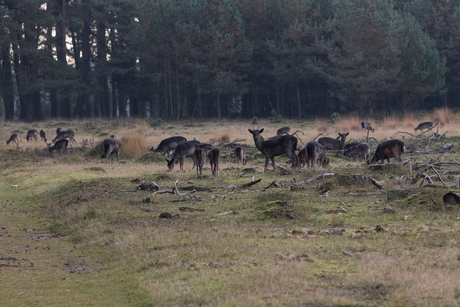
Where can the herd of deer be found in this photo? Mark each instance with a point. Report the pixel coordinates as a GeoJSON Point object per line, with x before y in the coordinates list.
{"type": "Point", "coordinates": [283, 143]}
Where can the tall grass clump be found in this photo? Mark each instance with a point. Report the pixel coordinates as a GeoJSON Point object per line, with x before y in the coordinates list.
{"type": "Point", "coordinates": [443, 116]}
{"type": "Point", "coordinates": [133, 145]}
{"type": "Point", "coordinates": [321, 124]}
{"type": "Point", "coordinates": [348, 123]}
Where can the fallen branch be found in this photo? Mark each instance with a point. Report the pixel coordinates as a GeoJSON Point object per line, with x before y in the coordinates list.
{"type": "Point", "coordinates": [319, 135]}
{"type": "Point", "coordinates": [251, 183]}
{"type": "Point", "coordinates": [315, 178]}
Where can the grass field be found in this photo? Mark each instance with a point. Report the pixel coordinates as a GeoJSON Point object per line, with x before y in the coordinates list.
{"type": "Point", "coordinates": [73, 232]}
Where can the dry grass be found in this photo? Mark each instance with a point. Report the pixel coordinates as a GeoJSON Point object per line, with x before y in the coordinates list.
{"type": "Point", "coordinates": [204, 258]}
{"type": "Point", "coordinates": [348, 123]}
{"type": "Point", "coordinates": [321, 124]}
{"type": "Point", "coordinates": [443, 116]}
{"type": "Point", "coordinates": [133, 145]}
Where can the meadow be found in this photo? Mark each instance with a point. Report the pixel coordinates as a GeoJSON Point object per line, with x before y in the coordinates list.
{"type": "Point", "coordinates": [77, 231]}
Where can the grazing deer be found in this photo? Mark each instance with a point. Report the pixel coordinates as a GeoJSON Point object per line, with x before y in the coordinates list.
{"type": "Point", "coordinates": [183, 150]}
{"type": "Point", "coordinates": [214, 159]}
{"type": "Point", "coordinates": [315, 154]}
{"type": "Point", "coordinates": [240, 155]}
{"type": "Point", "coordinates": [424, 125]}
{"type": "Point", "coordinates": [333, 144]}
{"type": "Point", "coordinates": [350, 146]}
{"type": "Point", "coordinates": [64, 135]}
{"type": "Point", "coordinates": [169, 144]}
{"type": "Point", "coordinates": [61, 144]}
{"type": "Point", "coordinates": [286, 144]}
{"type": "Point", "coordinates": [366, 126]}
{"type": "Point", "coordinates": [302, 156]}
{"type": "Point", "coordinates": [32, 134]}
{"type": "Point", "coordinates": [111, 146]}
{"type": "Point", "coordinates": [13, 138]}
{"type": "Point", "coordinates": [58, 130]}
{"type": "Point", "coordinates": [387, 150]}
{"type": "Point", "coordinates": [283, 130]}
{"type": "Point", "coordinates": [43, 135]}
{"type": "Point", "coordinates": [359, 152]}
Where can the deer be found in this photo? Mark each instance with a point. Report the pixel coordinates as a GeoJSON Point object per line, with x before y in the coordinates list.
{"type": "Point", "coordinates": [333, 144]}
{"type": "Point", "coordinates": [315, 154]}
{"type": "Point", "coordinates": [214, 159]}
{"type": "Point", "coordinates": [424, 125]}
{"type": "Point", "coordinates": [169, 144]}
{"type": "Point", "coordinates": [183, 150]}
{"type": "Point", "coordinates": [240, 155]}
{"type": "Point", "coordinates": [13, 138]}
{"type": "Point", "coordinates": [64, 135]}
{"type": "Point", "coordinates": [302, 156]}
{"type": "Point", "coordinates": [286, 144]}
{"type": "Point", "coordinates": [60, 144]}
{"type": "Point", "coordinates": [32, 133]}
{"type": "Point", "coordinates": [199, 157]}
{"type": "Point", "coordinates": [358, 152]}
{"type": "Point", "coordinates": [387, 150]}
{"type": "Point", "coordinates": [111, 146]}
{"type": "Point", "coordinates": [283, 130]}
{"type": "Point", "coordinates": [366, 126]}
{"type": "Point", "coordinates": [43, 135]}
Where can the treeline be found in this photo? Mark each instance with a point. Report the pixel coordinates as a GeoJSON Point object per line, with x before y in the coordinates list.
{"type": "Point", "coordinates": [175, 59]}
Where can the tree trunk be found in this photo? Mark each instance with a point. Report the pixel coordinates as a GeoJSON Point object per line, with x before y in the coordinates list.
{"type": "Point", "coordinates": [7, 84]}
{"type": "Point", "coordinates": [298, 100]}
{"type": "Point", "coordinates": [103, 95]}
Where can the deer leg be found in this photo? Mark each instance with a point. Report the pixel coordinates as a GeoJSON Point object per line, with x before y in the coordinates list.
{"type": "Point", "coordinates": [273, 162]}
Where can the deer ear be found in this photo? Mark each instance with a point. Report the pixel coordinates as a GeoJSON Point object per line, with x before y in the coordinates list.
{"type": "Point", "coordinates": [347, 133]}
{"type": "Point", "coordinates": [250, 130]}
{"type": "Point", "coordinates": [261, 130]}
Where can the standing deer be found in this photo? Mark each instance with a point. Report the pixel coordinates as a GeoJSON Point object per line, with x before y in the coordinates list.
{"type": "Point", "coordinates": [111, 146]}
{"type": "Point", "coordinates": [43, 135]}
{"type": "Point", "coordinates": [366, 126]}
{"type": "Point", "coordinates": [283, 130]}
{"type": "Point", "coordinates": [387, 150]}
{"type": "Point", "coordinates": [286, 144]}
{"type": "Point", "coordinates": [32, 134]}
{"type": "Point", "coordinates": [64, 135]}
{"type": "Point", "coordinates": [315, 154]}
{"type": "Point", "coordinates": [214, 159]}
{"type": "Point", "coordinates": [169, 144]}
{"type": "Point", "coordinates": [199, 157]}
{"type": "Point", "coordinates": [302, 156]}
{"type": "Point", "coordinates": [424, 125]}
{"type": "Point", "coordinates": [359, 152]}
{"type": "Point", "coordinates": [61, 144]}
{"type": "Point", "coordinates": [333, 144]}
{"type": "Point", "coordinates": [240, 155]}
{"type": "Point", "coordinates": [183, 150]}
{"type": "Point", "coordinates": [13, 138]}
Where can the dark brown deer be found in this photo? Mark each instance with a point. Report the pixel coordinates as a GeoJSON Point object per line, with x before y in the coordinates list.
{"type": "Point", "coordinates": [183, 150]}
{"type": "Point", "coordinates": [387, 150]}
{"type": "Point", "coordinates": [65, 135]}
{"type": "Point", "coordinates": [315, 154]}
{"type": "Point", "coordinates": [286, 144]}
{"type": "Point", "coordinates": [59, 145]}
{"type": "Point", "coordinates": [283, 130]}
{"type": "Point", "coordinates": [214, 159]}
{"type": "Point", "coordinates": [302, 156]}
{"type": "Point", "coordinates": [32, 134]}
{"type": "Point", "coordinates": [111, 146]}
{"type": "Point", "coordinates": [170, 144]}
{"type": "Point", "coordinates": [358, 152]}
{"type": "Point", "coordinates": [13, 138]}
{"type": "Point", "coordinates": [333, 144]}
{"type": "Point", "coordinates": [350, 146]}
{"type": "Point", "coordinates": [424, 125]}
{"type": "Point", "coordinates": [366, 126]}
{"type": "Point", "coordinates": [199, 156]}
{"type": "Point", "coordinates": [43, 135]}
{"type": "Point", "coordinates": [240, 155]}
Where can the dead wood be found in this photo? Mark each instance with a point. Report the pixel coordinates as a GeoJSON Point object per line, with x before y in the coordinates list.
{"type": "Point", "coordinates": [273, 184]}
{"type": "Point", "coordinates": [147, 209]}
{"type": "Point", "coordinates": [251, 183]}
{"type": "Point", "coordinates": [190, 209]}
{"type": "Point", "coordinates": [315, 178]}
{"type": "Point", "coordinates": [167, 215]}
{"type": "Point", "coordinates": [319, 135]}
